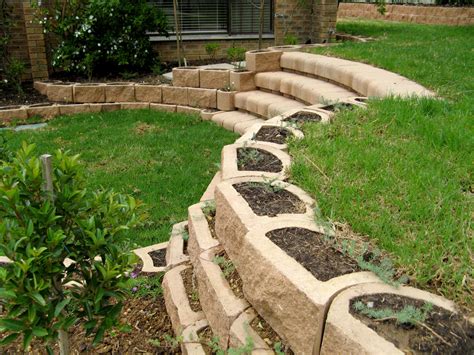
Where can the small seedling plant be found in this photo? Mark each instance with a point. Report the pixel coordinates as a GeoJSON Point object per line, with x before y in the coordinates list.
{"type": "Point", "coordinates": [41, 227]}
{"type": "Point", "coordinates": [227, 266]}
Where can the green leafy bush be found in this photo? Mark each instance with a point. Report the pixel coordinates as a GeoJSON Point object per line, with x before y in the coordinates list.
{"type": "Point", "coordinates": [290, 40]}
{"type": "Point", "coordinates": [102, 36]}
{"type": "Point", "coordinates": [236, 54]}
{"type": "Point", "coordinates": [41, 296]}
{"type": "Point", "coordinates": [212, 49]}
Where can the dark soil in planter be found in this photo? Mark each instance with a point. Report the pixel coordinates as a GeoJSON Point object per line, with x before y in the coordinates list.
{"type": "Point", "coordinates": [231, 275]}
{"type": "Point", "coordinates": [253, 159]}
{"type": "Point", "coordinates": [158, 257]}
{"type": "Point", "coordinates": [205, 337]}
{"type": "Point", "coordinates": [147, 319]}
{"type": "Point", "coordinates": [29, 96]}
{"type": "Point", "coordinates": [211, 222]}
{"type": "Point", "coordinates": [185, 236]}
{"type": "Point", "coordinates": [339, 107]}
{"type": "Point", "coordinates": [302, 117]}
{"type": "Point", "coordinates": [417, 339]}
{"type": "Point", "coordinates": [273, 134]}
{"type": "Point", "coordinates": [265, 200]}
{"type": "Point", "coordinates": [190, 284]}
{"type": "Point", "coordinates": [315, 254]}
{"type": "Point", "coordinates": [270, 337]}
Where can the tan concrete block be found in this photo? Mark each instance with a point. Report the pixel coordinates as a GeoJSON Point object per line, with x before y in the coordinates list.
{"type": "Point", "coordinates": [241, 331]}
{"type": "Point", "coordinates": [263, 60]}
{"type": "Point", "coordinates": [73, 109]}
{"type": "Point", "coordinates": [9, 113]}
{"type": "Point", "coordinates": [119, 92]}
{"type": "Point", "coordinates": [147, 261]}
{"type": "Point", "coordinates": [186, 77]}
{"type": "Point", "coordinates": [148, 93]}
{"type": "Point", "coordinates": [204, 98]}
{"type": "Point", "coordinates": [190, 344]}
{"type": "Point", "coordinates": [250, 135]}
{"type": "Point", "coordinates": [60, 92]}
{"type": "Point", "coordinates": [225, 100]}
{"type": "Point", "coordinates": [163, 107]}
{"type": "Point", "coordinates": [200, 237]}
{"type": "Point", "coordinates": [175, 95]}
{"type": "Point", "coordinates": [44, 110]}
{"type": "Point", "coordinates": [207, 114]}
{"type": "Point", "coordinates": [346, 334]}
{"type": "Point", "coordinates": [89, 93]}
{"type": "Point", "coordinates": [188, 110]}
{"type": "Point", "coordinates": [209, 193]}
{"type": "Point", "coordinates": [242, 80]}
{"type": "Point", "coordinates": [219, 303]}
{"type": "Point", "coordinates": [175, 253]}
{"type": "Point", "coordinates": [134, 105]}
{"type": "Point", "coordinates": [214, 78]}
{"type": "Point", "coordinates": [104, 107]}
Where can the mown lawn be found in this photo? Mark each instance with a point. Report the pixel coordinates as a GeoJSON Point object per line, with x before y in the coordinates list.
{"type": "Point", "coordinates": [402, 172]}
{"type": "Point", "coordinates": [167, 160]}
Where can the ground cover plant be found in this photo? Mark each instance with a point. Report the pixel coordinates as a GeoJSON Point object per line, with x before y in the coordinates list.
{"type": "Point", "coordinates": [401, 171]}
{"type": "Point", "coordinates": [167, 160]}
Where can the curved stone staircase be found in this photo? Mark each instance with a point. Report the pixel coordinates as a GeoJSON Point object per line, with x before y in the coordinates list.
{"type": "Point", "coordinates": [277, 289]}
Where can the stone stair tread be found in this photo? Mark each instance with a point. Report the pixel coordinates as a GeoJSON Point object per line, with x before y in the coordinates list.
{"type": "Point", "coordinates": [236, 121]}
{"type": "Point", "coordinates": [302, 87]}
{"type": "Point", "coordinates": [265, 104]}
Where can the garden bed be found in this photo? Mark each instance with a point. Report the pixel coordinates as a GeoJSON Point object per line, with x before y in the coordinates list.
{"type": "Point", "coordinates": [30, 96]}
{"type": "Point", "coordinates": [271, 338]}
{"type": "Point", "coordinates": [273, 134]}
{"type": "Point", "coordinates": [253, 159]}
{"type": "Point", "coordinates": [302, 117]}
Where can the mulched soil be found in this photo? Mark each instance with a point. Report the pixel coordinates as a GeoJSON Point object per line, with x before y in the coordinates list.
{"type": "Point", "coordinates": [339, 106]}
{"type": "Point", "coordinates": [147, 320]}
{"type": "Point", "coordinates": [253, 159]}
{"type": "Point", "coordinates": [273, 134]}
{"type": "Point", "coordinates": [267, 201]}
{"type": "Point", "coordinates": [269, 335]}
{"type": "Point", "coordinates": [205, 338]}
{"type": "Point", "coordinates": [185, 240]}
{"type": "Point", "coordinates": [303, 117]}
{"type": "Point", "coordinates": [30, 96]}
{"type": "Point", "coordinates": [233, 278]}
{"type": "Point", "coordinates": [158, 257]}
{"type": "Point", "coordinates": [416, 339]}
{"type": "Point", "coordinates": [139, 78]}
{"type": "Point", "coordinates": [315, 254]}
{"type": "Point", "coordinates": [190, 284]}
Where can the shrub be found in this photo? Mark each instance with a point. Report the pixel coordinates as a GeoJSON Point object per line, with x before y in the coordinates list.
{"type": "Point", "coordinates": [14, 71]}
{"type": "Point", "coordinates": [236, 54]}
{"type": "Point", "coordinates": [212, 49]}
{"type": "Point", "coordinates": [39, 231]}
{"type": "Point", "coordinates": [290, 40]}
{"type": "Point", "coordinates": [102, 36]}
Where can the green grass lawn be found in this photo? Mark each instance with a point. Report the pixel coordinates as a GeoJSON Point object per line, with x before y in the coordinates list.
{"type": "Point", "coordinates": [167, 160]}
{"type": "Point", "coordinates": [402, 171]}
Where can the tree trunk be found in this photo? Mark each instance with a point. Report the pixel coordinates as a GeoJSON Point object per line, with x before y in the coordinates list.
{"type": "Point", "coordinates": [177, 32]}
{"type": "Point", "coordinates": [63, 342]}
{"type": "Point", "coordinates": [260, 31]}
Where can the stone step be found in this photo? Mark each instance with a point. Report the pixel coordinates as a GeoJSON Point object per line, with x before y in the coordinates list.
{"type": "Point", "coordinates": [265, 104]}
{"type": "Point", "coordinates": [236, 121]}
{"type": "Point", "coordinates": [359, 77]}
{"type": "Point", "coordinates": [304, 88]}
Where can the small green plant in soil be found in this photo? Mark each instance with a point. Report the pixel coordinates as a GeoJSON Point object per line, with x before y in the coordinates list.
{"type": "Point", "coordinates": [290, 40]}
{"type": "Point", "coordinates": [242, 350]}
{"type": "Point", "coordinates": [168, 341]}
{"type": "Point", "coordinates": [209, 208]}
{"type": "Point", "coordinates": [146, 286]}
{"type": "Point", "coordinates": [409, 315]}
{"type": "Point", "coordinates": [211, 49]}
{"type": "Point", "coordinates": [236, 55]}
{"type": "Point", "coordinates": [227, 266]}
{"type": "Point", "coordinates": [249, 156]}
{"type": "Point", "coordinates": [185, 235]}
{"type": "Point", "coordinates": [269, 185]}
{"type": "Point", "coordinates": [39, 229]}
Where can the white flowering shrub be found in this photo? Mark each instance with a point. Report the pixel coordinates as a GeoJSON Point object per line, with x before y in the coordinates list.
{"type": "Point", "coordinates": [100, 37]}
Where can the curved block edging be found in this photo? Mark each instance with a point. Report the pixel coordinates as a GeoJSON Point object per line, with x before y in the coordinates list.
{"type": "Point", "coordinates": [249, 135]}
{"type": "Point", "coordinates": [177, 302]}
{"type": "Point", "coordinates": [200, 237]}
{"type": "Point", "coordinates": [229, 162]}
{"type": "Point", "coordinates": [143, 254]}
{"type": "Point", "coordinates": [344, 333]}
{"type": "Point", "coordinates": [175, 251]}
{"type": "Point", "coordinates": [191, 343]}
{"type": "Point", "coordinates": [219, 303]}
{"type": "Point", "coordinates": [282, 291]}
{"type": "Point", "coordinates": [280, 119]}
{"type": "Point", "coordinates": [241, 330]}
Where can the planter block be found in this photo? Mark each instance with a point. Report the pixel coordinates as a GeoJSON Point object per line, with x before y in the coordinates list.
{"type": "Point", "coordinates": [242, 80]}
{"type": "Point", "coordinates": [263, 60]}
{"type": "Point", "coordinates": [163, 107]}
{"type": "Point", "coordinates": [200, 237]}
{"type": "Point", "coordinates": [176, 301]}
{"type": "Point", "coordinates": [287, 48]}
{"type": "Point", "coordinates": [19, 113]}
{"type": "Point", "coordinates": [190, 344]}
{"type": "Point", "coordinates": [225, 100]}
{"type": "Point", "coordinates": [59, 92]}
{"type": "Point", "coordinates": [134, 105]}
{"type": "Point", "coordinates": [175, 251]}
{"type": "Point", "coordinates": [207, 114]}
{"type": "Point", "coordinates": [175, 95]}
{"type": "Point", "coordinates": [209, 193]}
{"type": "Point", "coordinates": [288, 297]}
{"type": "Point", "coordinates": [241, 330]}
{"type": "Point", "coordinates": [346, 334]}
{"type": "Point", "coordinates": [73, 109]}
{"type": "Point", "coordinates": [41, 87]}
{"type": "Point", "coordinates": [44, 111]}
{"type": "Point", "coordinates": [119, 93]}
{"type": "Point", "coordinates": [146, 259]}
{"type": "Point", "coordinates": [229, 167]}
{"type": "Point", "coordinates": [213, 78]}
{"type": "Point", "coordinates": [186, 77]}
{"type": "Point", "coordinates": [218, 302]}
{"type": "Point", "coordinates": [188, 110]}
{"type": "Point", "coordinates": [249, 136]}
{"type": "Point", "coordinates": [105, 107]}
{"type": "Point", "coordinates": [280, 119]}
{"type": "Point", "coordinates": [148, 93]}
{"type": "Point", "coordinates": [205, 98]}
{"type": "Point", "coordinates": [84, 93]}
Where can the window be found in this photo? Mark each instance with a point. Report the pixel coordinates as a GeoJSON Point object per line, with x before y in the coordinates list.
{"type": "Point", "coordinates": [229, 17]}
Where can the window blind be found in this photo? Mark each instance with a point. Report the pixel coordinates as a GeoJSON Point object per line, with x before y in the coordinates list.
{"type": "Point", "coordinates": [245, 16]}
